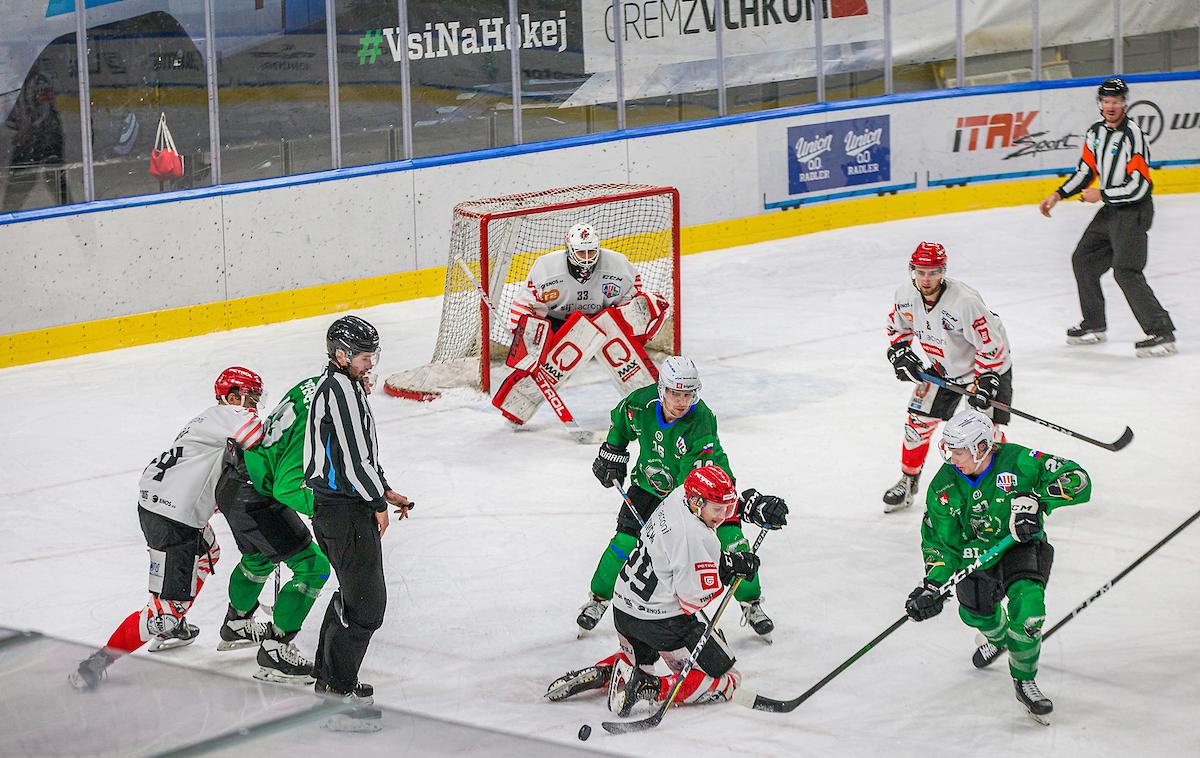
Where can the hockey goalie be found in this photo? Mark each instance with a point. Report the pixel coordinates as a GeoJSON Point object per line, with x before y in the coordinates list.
{"type": "Point", "coordinates": [579, 303]}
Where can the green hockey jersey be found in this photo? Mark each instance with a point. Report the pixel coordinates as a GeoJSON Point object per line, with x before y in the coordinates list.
{"type": "Point", "coordinates": [967, 516]}
{"type": "Point", "coordinates": [276, 467]}
{"type": "Point", "coordinates": [666, 452]}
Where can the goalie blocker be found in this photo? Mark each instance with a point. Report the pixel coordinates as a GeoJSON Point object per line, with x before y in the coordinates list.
{"type": "Point", "coordinates": [543, 360]}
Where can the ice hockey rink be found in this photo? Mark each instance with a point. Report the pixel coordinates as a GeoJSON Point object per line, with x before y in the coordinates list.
{"type": "Point", "coordinates": [485, 579]}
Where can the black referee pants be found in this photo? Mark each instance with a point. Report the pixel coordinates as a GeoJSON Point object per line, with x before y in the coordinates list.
{"type": "Point", "coordinates": [1116, 239]}
{"type": "Point", "coordinates": [348, 534]}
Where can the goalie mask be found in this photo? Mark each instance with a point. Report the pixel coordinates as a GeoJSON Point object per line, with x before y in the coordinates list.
{"type": "Point", "coordinates": [713, 484]}
{"type": "Point", "coordinates": [967, 430]}
{"type": "Point", "coordinates": [583, 251]}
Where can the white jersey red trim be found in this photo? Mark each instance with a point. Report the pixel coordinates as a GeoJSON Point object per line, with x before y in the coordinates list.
{"type": "Point", "coordinates": [674, 569]}
{"type": "Point", "coordinates": [180, 482]}
{"type": "Point", "coordinates": [959, 332]}
{"type": "Point", "coordinates": [551, 291]}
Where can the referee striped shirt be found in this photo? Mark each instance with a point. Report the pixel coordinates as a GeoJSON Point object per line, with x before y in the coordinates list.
{"type": "Point", "coordinates": [1119, 158]}
{"type": "Point", "coordinates": [341, 456]}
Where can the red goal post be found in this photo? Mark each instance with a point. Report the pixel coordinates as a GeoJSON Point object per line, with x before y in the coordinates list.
{"type": "Point", "coordinates": [495, 241]}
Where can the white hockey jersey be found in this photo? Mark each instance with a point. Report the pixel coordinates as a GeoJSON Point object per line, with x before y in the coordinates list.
{"type": "Point", "coordinates": [673, 571]}
{"type": "Point", "coordinates": [958, 332]}
{"type": "Point", "coordinates": [551, 291]}
{"type": "Point", "coordinates": [180, 483]}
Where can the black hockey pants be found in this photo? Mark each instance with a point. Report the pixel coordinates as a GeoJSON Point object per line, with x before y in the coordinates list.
{"type": "Point", "coordinates": [1116, 239]}
{"type": "Point", "coordinates": [348, 534]}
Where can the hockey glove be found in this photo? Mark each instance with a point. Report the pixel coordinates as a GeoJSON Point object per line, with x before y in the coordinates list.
{"type": "Point", "coordinates": [987, 385]}
{"type": "Point", "coordinates": [744, 564]}
{"type": "Point", "coordinates": [611, 463]}
{"type": "Point", "coordinates": [1025, 517]}
{"type": "Point", "coordinates": [767, 511]}
{"type": "Point", "coordinates": [905, 362]}
{"type": "Point", "coordinates": [924, 602]}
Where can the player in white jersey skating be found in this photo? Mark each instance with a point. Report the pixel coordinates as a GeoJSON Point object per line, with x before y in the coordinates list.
{"type": "Point", "coordinates": [965, 342]}
{"type": "Point", "coordinates": [175, 502]}
{"type": "Point", "coordinates": [677, 569]}
{"type": "Point", "coordinates": [576, 302]}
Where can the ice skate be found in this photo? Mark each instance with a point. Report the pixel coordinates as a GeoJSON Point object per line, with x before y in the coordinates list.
{"type": "Point", "coordinates": [572, 683]}
{"type": "Point", "coordinates": [240, 630]}
{"type": "Point", "coordinates": [360, 713]}
{"type": "Point", "coordinates": [1037, 704]}
{"type": "Point", "coordinates": [280, 661]}
{"type": "Point", "coordinates": [759, 621]}
{"type": "Point", "coordinates": [900, 495]}
{"type": "Point", "coordinates": [1156, 346]}
{"type": "Point", "coordinates": [628, 685]}
{"type": "Point", "coordinates": [91, 670]}
{"type": "Point", "coordinates": [183, 634]}
{"type": "Point", "coordinates": [1085, 335]}
{"type": "Point", "coordinates": [590, 614]}
{"type": "Point", "coordinates": [986, 653]}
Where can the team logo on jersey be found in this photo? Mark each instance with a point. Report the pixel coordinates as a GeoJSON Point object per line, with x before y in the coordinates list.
{"type": "Point", "coordinates": [660, 479]}
{"type": "Point", "coordinates": [1006, 480]}
{"type": "Point", "coordinates": [658, 436]}
{"type": "Point", "coordinates": [979, 507]}
{"type": "Point", "coordinates": [976, 494]}
{"type": "Point", "coordinates": [610, 289]}
{"type": "Point", "coordinates": [549, 296]}
{"type": "Point", "coordinates": [943, 498]}
{"type": "Point", "coordinates": [682, 447]}
{"type": "Point", "coordinates": [949, 323]}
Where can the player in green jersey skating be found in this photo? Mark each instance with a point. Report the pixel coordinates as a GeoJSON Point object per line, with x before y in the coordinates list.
{"type": "Point", "coordinates": [261, 494]}
{"type": "Point", "coordinates": [676, 432]}
{"type": "Point", "coordinates": [985, 491]}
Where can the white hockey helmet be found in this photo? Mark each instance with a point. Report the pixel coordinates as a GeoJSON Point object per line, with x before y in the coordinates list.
{"type": "Point", "coordinates": [966, 431]}
{"type": "Point", "coordinates": [680, 374]}
{"type": "Point", "coordinates": [583, 250]}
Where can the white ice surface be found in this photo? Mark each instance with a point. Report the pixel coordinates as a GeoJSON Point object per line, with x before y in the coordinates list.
{"type": "Point", "coordinates": [485, 580]}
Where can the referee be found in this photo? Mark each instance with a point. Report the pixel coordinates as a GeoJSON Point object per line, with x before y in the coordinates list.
{"type": "Point", "coordinates": [1116, 154]}
{"type": "Point", "coordinates": [351, 495]}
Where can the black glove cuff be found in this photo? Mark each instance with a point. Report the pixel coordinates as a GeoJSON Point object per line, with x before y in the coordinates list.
{"type": "Point", "coordinates": [613, 454]}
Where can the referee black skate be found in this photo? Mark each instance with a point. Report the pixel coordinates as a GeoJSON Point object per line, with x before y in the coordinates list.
{"type": "Point", "coordinates": [351, 496]}
{"type": "Point", "coordinates": [1116, 154]}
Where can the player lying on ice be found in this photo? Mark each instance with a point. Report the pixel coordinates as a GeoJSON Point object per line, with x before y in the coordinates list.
{"type": "Point", "coordinates": [985, 491]}
{"type": "Point", "coordinates": [676, 570]}
{"type": "Point", "coordinates": [580, 302]}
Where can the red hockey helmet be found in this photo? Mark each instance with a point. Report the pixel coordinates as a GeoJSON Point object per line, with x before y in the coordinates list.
{"type": "Point", "coordinates": [714, 485]}
{"type": "Point", "coordinates": [237, 378]}
{"type": "Point", "coordinates": [928, 255]}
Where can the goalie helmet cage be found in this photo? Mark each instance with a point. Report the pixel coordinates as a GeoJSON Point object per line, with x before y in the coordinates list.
{"type": "Point", "coordinates": [498, 239]}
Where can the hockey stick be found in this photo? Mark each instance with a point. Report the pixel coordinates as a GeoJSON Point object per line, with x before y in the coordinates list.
{"type": "Point", "coordinates": [544, 385]}
{"type": "Point", "coordinates": [758, 702]}
{"type": "Point", "coordinates": [625, 727]}
{"type": "Point", "coordinates": [1109, 584]}
{"type": "Point", "coordinates": [1121, 443]}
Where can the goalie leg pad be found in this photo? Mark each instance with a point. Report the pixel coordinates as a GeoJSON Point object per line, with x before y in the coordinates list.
{"type": "Point", "coordinates": [572, 346]}
{"type": "Point", "coordinates": [530, 340]}
{"type": "Point", "coordinates": [622, 354]}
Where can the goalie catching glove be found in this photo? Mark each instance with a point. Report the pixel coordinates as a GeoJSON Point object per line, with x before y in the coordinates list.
{"type": "Point", "coordinates": [744, 564]}
{"type": "Point", "coordinates": [1025, 516]}
{"type": "Point", "coordinates": [767, 511]}
{"type": "Point", "coordinates": [612, 463]}
{"type": "Point", "coordinates": [905, 362]}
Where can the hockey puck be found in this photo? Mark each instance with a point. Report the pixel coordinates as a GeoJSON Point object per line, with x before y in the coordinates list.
{"type": "Point", "coordinates": [585, 731]}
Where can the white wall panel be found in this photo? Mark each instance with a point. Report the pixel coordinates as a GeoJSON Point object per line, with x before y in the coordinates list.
{"type": "Point", "coordinates": [111, 263]}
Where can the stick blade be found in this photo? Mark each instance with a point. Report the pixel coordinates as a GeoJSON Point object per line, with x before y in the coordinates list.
{"type": "Point", "coordinates": [757, 702]}
{"type": "Point", "coordinates": [627, 727]}
{"type": "Point", "coordinates": [1123, 441]}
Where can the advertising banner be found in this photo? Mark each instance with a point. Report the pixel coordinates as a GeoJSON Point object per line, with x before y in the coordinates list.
{"type": "Point", "coordinates": [838, 154]}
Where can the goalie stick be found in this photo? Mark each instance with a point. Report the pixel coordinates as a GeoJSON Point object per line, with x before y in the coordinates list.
{"type": "Point", "coordinates": [751, 699]}
{"type": "Point", "coordinates": [1121, 443]}
{"type": "Point", "coordinates": [540, 378]}
{"type": "Point", "coordinates": [625, 727]}
{"type": "Point", "coordinates": [1109, 584]}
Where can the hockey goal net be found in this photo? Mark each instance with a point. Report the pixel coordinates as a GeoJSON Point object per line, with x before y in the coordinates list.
{"type": "Point", "coordinates": [495, 241]}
